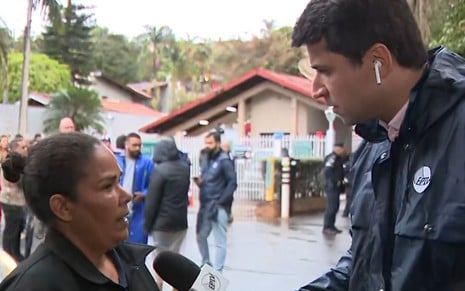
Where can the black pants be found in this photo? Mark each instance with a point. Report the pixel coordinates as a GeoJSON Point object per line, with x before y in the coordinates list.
{"type": "Point", "coordinates": [348, 201]}
{"type": "Point", "coordinates": [29, 233]}
{"type": "Point", "coordinates": [331, 209]}
{"type": "Point", "coordinates": [14, 225]}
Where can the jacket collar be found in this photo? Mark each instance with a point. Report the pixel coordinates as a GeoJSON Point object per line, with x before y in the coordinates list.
{"type": "Point", "coordinates": [438, 92]}
{"type": "Point", "coordinates": [435, 94]}
{"type": "Point", "coordinates": [76, 260]}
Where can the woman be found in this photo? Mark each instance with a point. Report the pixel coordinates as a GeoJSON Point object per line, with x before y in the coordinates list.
{"type": "Point", "coordinates": [165, 214]}
{"type": "Point", "coordinates": [3, 154]}
{"type": "Point", "coordinates": [3, 147]}
{"type": "Point", "coordinates": [71, 185]}
{"type": "Point", "coordinates": [12, 198]}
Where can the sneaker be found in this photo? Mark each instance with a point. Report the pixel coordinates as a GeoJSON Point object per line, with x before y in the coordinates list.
{"type": "Point", "coordinates": [337, 230]}
{"type": "Point", "coordinates": [331, 231]}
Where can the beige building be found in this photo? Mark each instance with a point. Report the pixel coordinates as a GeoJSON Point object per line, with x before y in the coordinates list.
{"type": "Point", "coordinates": [260, 102]}
{"type": "Point", "coordinates": [109, 88]}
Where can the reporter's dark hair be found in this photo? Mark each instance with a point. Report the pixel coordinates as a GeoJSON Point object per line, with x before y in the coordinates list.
{"type": "Point", "coordinates": [351, 27]}
{"type": "Point", "coordinates": [55, 166]}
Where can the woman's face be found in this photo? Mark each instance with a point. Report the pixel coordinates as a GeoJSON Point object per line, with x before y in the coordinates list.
{"type": "Point", "coordinates": [4, 142]}
{"type": "Point", "coordinates": [99, 214]}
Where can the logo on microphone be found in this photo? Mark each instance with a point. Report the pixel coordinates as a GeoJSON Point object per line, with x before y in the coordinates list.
{"type": "Point", "coordinates": [211, 282]}
{"type": "Point", "coordinates": [422, 179]}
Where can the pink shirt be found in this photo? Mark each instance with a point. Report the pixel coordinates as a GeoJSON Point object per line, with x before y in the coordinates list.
{"type": "Point", "coordinates": [394, 125]}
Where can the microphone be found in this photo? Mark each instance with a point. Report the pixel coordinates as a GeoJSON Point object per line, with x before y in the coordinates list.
{"type": "Point", "coordinates": [184, 275]}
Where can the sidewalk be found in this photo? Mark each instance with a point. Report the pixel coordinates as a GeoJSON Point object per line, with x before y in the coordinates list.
{"type": "Point", "coordinates": [278, 255]}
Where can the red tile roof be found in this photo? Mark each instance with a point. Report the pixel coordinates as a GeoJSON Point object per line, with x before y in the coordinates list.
{"type": "Point", "coordinates": [298, 84]}
{"type": "Point", "coordinates": [129, 108]}
{"type": "Point", "coordinates": [107, 105]}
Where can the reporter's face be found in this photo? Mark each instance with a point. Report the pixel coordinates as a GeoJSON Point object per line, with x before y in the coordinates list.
{"type": "Point", "coordinates": [350, 88]}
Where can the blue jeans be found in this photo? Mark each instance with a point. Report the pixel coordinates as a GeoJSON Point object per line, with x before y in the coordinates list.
{"type": "Point", "coordinates": [204, 227]}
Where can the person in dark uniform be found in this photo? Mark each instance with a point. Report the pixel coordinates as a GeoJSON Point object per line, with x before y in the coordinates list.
{"type": "Point", "coordinates": [333, 186]}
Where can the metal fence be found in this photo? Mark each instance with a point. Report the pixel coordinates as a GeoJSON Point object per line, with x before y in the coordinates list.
{"type": "Point", "coordinates": [250, 153]}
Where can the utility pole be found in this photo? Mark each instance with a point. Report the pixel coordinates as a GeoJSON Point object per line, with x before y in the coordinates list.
{"type": "Point", "coordinates": [22, 128]}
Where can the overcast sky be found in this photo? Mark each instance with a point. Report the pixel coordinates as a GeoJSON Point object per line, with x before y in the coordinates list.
{"type": "Point", "coordinates": [197, 18]}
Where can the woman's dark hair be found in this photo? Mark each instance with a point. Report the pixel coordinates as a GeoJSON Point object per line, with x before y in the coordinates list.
{"type": "Point", "coordinates": [13, 167]}
{"type": "Point", "coordinates": [55, 166]}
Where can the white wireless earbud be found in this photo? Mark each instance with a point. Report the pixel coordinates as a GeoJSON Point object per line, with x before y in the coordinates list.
{"type": "Point", "coordinates": [377, 64]}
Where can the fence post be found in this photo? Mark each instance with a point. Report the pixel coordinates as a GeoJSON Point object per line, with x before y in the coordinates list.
{"type": "Point", "coordinates": [285, 186]}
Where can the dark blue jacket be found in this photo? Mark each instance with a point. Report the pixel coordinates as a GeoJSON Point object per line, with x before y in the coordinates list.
{"type": "Point", "coordinates": [218, 183]}
{"type": "Point", "coordinates": [408, 223]}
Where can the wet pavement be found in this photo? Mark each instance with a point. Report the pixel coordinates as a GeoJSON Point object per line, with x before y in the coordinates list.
{"type": "Point", "coordinates": [275, 255]}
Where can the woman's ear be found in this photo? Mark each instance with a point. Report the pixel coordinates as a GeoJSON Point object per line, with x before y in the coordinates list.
{"type": "Point", "coordinates": [61, 207]}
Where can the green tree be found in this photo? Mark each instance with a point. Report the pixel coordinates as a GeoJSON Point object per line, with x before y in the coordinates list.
{"type": "Point", "coordinates": [45, 75]}
{"type": "Point", "coordinates": [452, 31]}
{"type": "Point", "coordinates": [115, 56]}
{"type": "Point", "coordinates": [5, 45]}
{"type": "Point", "coordinates": [72, 43]}
{"type": "Point", "coordinates": [52, 7]}
{"type": "Point", "coordinates": [271, 50]}
{"type": "Point", "coordinates": [159, 39]}
{"type": "Point", "coordinates": [81, 104]}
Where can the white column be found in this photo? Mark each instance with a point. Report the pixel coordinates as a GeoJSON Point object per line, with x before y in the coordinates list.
{"type": "Point", "coordinates": [330, 133]}
{"type": "Point", "coordinates": [285, 186]}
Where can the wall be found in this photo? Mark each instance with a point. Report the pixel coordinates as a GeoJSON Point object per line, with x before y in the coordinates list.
{"type": "Point", "coordinates": [116, 123]}
{"type": "Point", "coordinates": [110, 91]}
{"type": "Point", "coordinates": [316, 120]}
{"type": "Point", "coordinates": [269, 112]}
{"type": "Point", "coordinates": [9, 116]}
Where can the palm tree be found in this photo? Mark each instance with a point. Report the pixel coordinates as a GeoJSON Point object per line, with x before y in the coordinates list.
{"type": "Point", "coordinates": [158, 36]}
{"type": "Point", "coordinates": [53, 9]}
{"type": "Point", "coordinates": [81, 104]}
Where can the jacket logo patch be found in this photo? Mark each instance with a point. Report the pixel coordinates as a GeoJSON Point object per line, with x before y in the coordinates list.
{"type": "Point", "coordinates": [422, 179]}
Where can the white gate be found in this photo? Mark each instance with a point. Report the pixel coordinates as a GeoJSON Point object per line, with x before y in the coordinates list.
{"type": "Point", "coordinates": [250, 153]}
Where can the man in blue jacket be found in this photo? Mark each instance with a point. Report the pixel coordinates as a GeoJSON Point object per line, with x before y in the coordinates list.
{"type": "Point", "coordinates": [408, 221]}
{"type": "Point", "coordinates": [136, 172]}
{"type": "Point", "coordinates": [217, 185]}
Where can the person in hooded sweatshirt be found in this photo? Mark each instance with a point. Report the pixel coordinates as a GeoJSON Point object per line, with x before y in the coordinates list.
{"type": "Point", "coordinates": [167, 199]}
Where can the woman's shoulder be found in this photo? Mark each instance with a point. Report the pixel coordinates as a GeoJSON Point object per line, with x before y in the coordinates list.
{"type": "Point", "coordinates": [43, 270]}
{"type": "Point", "coordinates": [133, 253]}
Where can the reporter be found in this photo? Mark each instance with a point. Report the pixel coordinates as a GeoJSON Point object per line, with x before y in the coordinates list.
{"type": "Point", "coordinates": [71, 185]}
